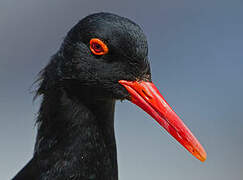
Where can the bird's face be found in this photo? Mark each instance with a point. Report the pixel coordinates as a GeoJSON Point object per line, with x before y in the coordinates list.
{"type": "Point", "coordinates": [108, 56]}
{"type": "Point", "coordinates": [103, 49]}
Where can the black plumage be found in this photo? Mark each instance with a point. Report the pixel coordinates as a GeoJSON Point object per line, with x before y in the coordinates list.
{"type": "Point", "coordinates": [75, 137]}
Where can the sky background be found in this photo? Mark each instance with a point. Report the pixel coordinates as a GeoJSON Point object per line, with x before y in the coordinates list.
{"type": "Point", "coordinates": [196, 52]}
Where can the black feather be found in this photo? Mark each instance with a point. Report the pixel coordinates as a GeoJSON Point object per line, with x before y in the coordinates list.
{"type": "Point", "coordinates": [75, 137]}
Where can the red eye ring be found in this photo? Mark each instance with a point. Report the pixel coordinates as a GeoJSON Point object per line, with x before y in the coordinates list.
{"type": "Point", "coordinates": [98, 47]}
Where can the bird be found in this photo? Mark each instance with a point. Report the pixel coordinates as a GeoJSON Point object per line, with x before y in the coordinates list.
{"type": "Point", "coordinates": [102, 59]}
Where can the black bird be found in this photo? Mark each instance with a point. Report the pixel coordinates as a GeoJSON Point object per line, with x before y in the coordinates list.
{"type": "Point", "coordinates": [103, 58]}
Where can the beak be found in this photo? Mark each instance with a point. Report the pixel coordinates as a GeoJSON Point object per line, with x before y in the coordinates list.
{"type": "Point", "coordinates": [146, 96]}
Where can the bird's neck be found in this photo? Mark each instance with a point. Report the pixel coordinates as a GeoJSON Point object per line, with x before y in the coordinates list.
{"type": "Point", "coordinates": [80, 123]}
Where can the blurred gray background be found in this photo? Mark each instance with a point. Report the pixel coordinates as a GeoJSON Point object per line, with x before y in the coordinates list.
{"type": "Point", "coordinates": [196, 52]}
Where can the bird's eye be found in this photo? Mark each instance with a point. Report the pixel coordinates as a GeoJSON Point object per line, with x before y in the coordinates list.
{"type": "Point", "coordinates": [98, 47]}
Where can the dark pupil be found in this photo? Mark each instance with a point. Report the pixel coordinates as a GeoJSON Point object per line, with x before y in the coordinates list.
{"type": "Point", "coordinates": [97, 47]}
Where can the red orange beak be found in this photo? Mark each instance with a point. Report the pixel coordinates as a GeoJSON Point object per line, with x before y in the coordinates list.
{"type": "Point", "coordinates": [146, 96]}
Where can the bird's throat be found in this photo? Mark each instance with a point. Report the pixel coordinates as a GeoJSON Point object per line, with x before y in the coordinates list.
{"type": "Point", "coordinates": [78, 131]}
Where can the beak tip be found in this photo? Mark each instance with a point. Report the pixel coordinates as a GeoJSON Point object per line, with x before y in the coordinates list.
{"type": "Point", "coordinates": [202, 156]}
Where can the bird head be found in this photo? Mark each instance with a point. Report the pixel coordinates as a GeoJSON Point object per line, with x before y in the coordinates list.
{"type": "Point", "coordinates": [106, 56]}
{"type": "Point", "coordinates": [100, 50]}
